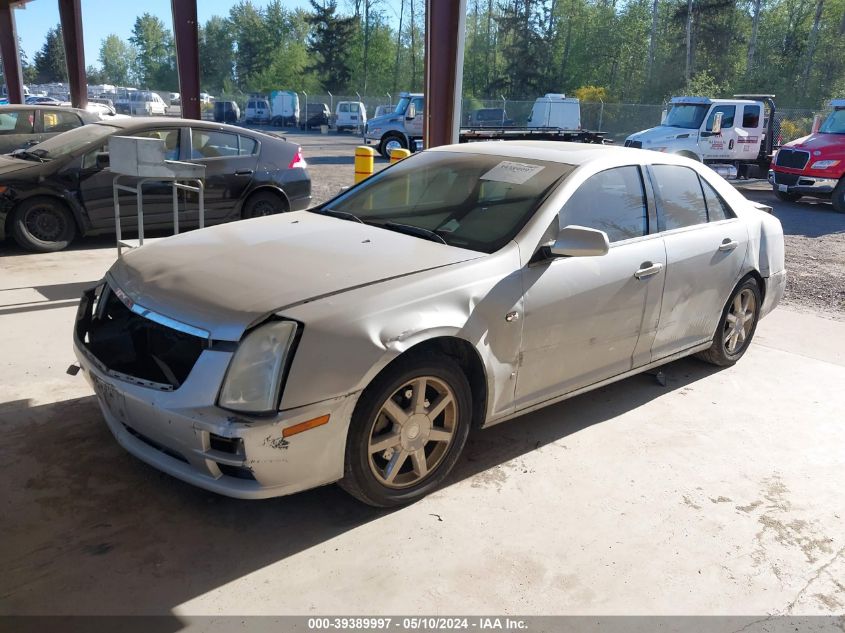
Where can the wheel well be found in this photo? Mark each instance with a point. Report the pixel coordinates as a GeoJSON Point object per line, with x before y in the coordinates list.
{"type": "Point", "coordinates": [265, 189]}
{"type": "Point", "coordinates": [61, 201]}
{"type": "Point", "coordinates": [690, 155]}
{"type": "Point", "coordinates": [466, 356]}
{"type": "Point", "coordinates": [761, 283]}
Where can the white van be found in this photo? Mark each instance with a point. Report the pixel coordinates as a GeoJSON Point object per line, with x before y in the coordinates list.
{"type": "Point", "coordinates": [146, 102]}
{"type": "Point", "coordinates": [556, 111]}
{"type": "Point", "coordinates": [350, 115]}
{"type": "Point", "coordinates": [284, 106]}
{"type": "Point", "coordinates": [257, 110]}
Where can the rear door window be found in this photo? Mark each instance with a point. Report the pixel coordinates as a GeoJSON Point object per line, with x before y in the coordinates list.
{"type": "Point", "coordinates": [248, 146]}
{"type": "Point", "coordinates": [717, 209]}
{"type": "Point", "coordinates": [213, 144]}
{"type": "Point", "coordinates": [170, 138]}
{"type": "Point", "coordinates": [17, 122]}
{"type": "Point", "coordinates": [751, 116]}
{"type": "Point", "coordinates": [612, 201]}
{"type": "Point", "coordinates": [681, 201]}
{"type": "Point", "coordinates": [56, 121]}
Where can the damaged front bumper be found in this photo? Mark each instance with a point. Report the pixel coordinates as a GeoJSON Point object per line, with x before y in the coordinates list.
{"type": "Point", "coordinates": [182, 432]}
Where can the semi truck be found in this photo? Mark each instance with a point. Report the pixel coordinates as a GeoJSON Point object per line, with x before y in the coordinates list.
{"type": "Point", "coordinates": [814, 165]}
{"type": "Point", "coordinates": [735, 137]}
{"type": "Point", "coordinates": [553, 118]}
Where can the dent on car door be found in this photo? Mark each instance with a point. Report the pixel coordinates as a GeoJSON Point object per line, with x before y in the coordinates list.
{"type": "Point", "coordinates": [591, 318]}
{"type": "Point", "coordinates": [705, 249]}
{"type": "Point", "coordinates": [230, 162]}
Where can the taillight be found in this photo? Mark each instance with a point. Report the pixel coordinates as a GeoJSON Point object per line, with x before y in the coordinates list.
{"type": "Point", "coordinates": [298, 160]}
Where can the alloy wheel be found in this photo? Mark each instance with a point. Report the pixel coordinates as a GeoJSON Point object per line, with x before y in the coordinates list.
{"type": "Point", "coordinates": [412, 432]}
{"type": "Point", "coordinates": [739, 321]}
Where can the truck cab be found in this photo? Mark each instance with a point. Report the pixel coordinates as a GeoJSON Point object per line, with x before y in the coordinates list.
{"type": "Point", "coordinates": [400, 129]}
{"type": "Point", "coordinates": [727, 134]}
{"type": "Point", "coordinates": [814, 165]}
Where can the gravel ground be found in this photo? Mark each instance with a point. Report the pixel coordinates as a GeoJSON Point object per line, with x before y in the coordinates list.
{"type": "Point", "coordinates": [815, 251]}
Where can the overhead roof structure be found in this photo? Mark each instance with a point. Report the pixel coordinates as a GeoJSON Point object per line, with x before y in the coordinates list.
{"type": "Point", "coordinates": [444, 40]}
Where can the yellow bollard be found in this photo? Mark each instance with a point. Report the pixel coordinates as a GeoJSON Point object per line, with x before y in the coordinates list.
{"type": "Point", "coordinates": [364, 162]}
{"type": "Point", "coordinates": [398, 154]}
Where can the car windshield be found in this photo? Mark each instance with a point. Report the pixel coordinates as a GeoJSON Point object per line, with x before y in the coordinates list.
{"type": "Point", "coordinates": [474, 201]}
{"type": "Point", "coordinates": [69, 142]}
{"type": "Point", "coordinates": [402, 105]}
{"type": "Point", "coordinates": [686, 115]}
{"type": "Point", "coordinates": [835, 123]}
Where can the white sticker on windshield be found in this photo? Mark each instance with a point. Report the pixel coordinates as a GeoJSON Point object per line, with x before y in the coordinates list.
{"type": "Point", "coordinates": [515, 173]}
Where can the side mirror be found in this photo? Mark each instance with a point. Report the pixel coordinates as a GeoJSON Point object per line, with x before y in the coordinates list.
{"type": "Point", "coordinates": [717, 123]}
{"type": "Point", "coordinates": [580, 241]}
{"type": "Point", "coordinates": [411, 112]}
{"type": "Point", "coordinates": [102, 160]}
{"type": "Point", "coordinates": [817, 123]}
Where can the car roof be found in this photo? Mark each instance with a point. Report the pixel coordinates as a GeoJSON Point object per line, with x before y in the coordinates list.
{"type": "Point", "coordinates": [169, 121]}
{"type": "Point", "coordinates": [563, 152]}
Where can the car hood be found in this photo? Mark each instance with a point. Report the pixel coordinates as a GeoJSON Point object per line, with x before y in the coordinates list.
{"type": "Point", "coordinates": [10, 165]}
{"type": "Point", "coordinates": [229, 277]}
{"type": "Point", "coordinates": [661, 134]}
{"type": "Point", "coordinates": [826, 143]}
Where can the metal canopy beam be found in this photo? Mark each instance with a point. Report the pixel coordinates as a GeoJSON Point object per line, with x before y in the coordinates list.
{"type": "Point", "coordinates": [10, 53]}
{"type": "Point", "coordinates": [444, 69]}
{"type": "Point", "coordinates": [70, 14]}
{"type": "Point", "coordinates": [187, 56]}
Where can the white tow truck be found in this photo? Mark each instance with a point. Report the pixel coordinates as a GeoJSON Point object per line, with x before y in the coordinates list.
{"type": "Point", "coordinates": [732, 136]}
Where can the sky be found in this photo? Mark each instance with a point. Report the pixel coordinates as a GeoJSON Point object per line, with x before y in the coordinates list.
{"type": "Point", "coordinates": [104, 17]}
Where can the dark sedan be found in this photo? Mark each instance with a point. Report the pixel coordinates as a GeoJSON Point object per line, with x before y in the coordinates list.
{"type": "Point", "coordinates": [62, 188]}
{"type": "Point", "coordinates": [23, 125]}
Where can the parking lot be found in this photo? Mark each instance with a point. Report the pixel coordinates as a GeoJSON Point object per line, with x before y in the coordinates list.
{"type": "Point", "coordinates": [718, 493]}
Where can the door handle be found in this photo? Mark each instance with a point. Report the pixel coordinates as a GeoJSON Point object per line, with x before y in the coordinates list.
{"type": "Point", "coordinates": [647, 269]}
{"type": "Point", "coordinates": [728, 244]}
{"type": "Point", "coordinates": [243, 172]}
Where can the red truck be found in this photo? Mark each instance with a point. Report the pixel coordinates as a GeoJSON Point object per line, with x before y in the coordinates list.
{"type": "Point", "coordinates": [814, 165]}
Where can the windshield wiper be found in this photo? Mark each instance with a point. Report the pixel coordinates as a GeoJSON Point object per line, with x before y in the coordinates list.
{"type": "Point", "coordinates": [417, 231]}
{"type": "Point", "coordinates": [25, 154]}
{"type": "Point", "coordinates": [344, 215]}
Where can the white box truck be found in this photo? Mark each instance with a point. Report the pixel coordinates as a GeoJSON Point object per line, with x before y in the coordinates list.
{"type": "Point", "coordinates": [284, 108]}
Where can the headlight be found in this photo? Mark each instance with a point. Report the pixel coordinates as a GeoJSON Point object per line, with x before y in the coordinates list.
{"type": "Point", "coordinates": [254, 377]}
{"type": "Point", "coordinates": [824, 164]}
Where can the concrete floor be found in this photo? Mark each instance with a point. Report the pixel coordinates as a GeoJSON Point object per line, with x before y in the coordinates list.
{"type": "Point", "coordinates": [720, 493]}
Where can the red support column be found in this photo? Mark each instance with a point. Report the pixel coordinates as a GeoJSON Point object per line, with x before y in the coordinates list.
{"type": "Point", "coordinates": [187, 55]}
{"type": "Point", "coordinates": [70, 14]}
{"type": "Point", "coordinates": [10, 53]}
{"type": "Point", "coordinates": [444, 70]}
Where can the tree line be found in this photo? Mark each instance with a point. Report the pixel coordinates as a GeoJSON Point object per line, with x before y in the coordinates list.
{"type": "Point", "coordinates": [632, 51]}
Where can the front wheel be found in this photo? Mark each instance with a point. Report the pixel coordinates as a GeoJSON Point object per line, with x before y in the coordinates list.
{"type": "Point", "coordinates": [785, 196]}
{"type": "Point", "coordinates": [390, 143]}
{"type": "Point", "coordinates": [43, 225]}
{"type": "Point", "coordinates": [737, 325]}
{"type": "Point", "coordinates": [838, 196]}
{"type": "Point", "coordinates": [407, 431]}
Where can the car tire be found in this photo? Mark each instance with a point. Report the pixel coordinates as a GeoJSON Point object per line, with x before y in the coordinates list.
{"type": "Point", "coordinates": [415, 465]}
{"type": "Point", "coordinates": [786, 197]}
{"type": "Point", "coordinates": [733, 336]}
{"type": "Point", "coordinates": [390, 142]}
{"type": "Point", "coordinates": [263, 203]}
{"type": "Point", "coordinates": [43, 225]}
{"type": "Point", "coordinates": [837, 198]}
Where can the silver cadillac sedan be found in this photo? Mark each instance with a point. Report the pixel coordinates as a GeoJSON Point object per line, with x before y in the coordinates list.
{"type": "Point", "coordinates": [358, 342]}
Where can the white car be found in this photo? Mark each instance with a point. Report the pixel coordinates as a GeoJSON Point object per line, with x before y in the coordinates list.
{"type": "Point", "coordinates": [350, 115]}
{"type": "Point", "coordinates": [147, 103]}
{"type": "Point", "coordinates": [359, 342]}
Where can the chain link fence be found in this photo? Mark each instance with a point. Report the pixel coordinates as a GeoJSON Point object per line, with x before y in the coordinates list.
{"type": "Point", "coordinates": [616, 120]}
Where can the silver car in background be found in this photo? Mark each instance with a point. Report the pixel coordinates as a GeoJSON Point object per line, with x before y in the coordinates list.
{"type": "Point", "coordinates": [359, 342]}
